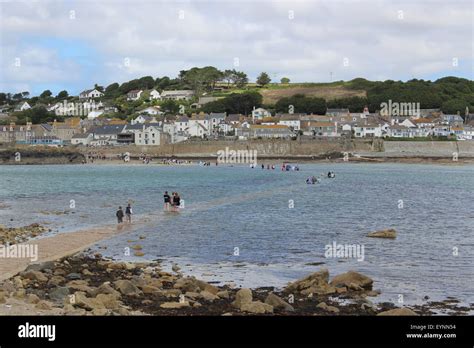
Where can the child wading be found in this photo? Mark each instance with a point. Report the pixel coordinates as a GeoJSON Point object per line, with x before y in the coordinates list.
{"type": "Point", "coordinates": [119, 215]}
{"type": "Point", "coordinates": [129, 212]}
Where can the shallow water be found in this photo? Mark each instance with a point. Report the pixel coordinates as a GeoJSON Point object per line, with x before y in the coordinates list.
{"type": "Point", "coordinates": [250, 209]}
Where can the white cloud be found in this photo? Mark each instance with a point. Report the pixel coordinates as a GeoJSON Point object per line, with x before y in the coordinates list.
{"type": "Point", "coordinates": [371, 34]}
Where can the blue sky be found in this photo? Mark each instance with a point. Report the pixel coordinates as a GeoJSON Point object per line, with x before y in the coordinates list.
{"type": "Point", "coordinates": [71, 45]}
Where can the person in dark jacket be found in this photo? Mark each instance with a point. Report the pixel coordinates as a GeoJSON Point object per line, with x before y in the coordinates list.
{"type": "Point", "coordinates": [167, 200]}
{"type": "Point", "coordinates": [119, 215]}
{"type": "Point", "coordinates": [128, 213]}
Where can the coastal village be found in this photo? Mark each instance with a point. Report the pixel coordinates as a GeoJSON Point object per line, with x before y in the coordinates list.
{"type": "Point", "coordinates": [90, 122]}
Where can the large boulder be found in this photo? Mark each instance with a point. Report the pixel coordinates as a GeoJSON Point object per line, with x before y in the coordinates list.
{"type": "Point", "coordinates": [192, 284]}
{"type": "Point", "coordinates": [80, 300]}
{"type": "Point", "coordinates": [352, 280]}
{"type": "Point", "coordinates": [256, 307]}
{"type": "Point", "coordinates": [79, 285]}
{"type": "Point", "coordinates": [126, 287]}
{"type": "Point", "coordinates": [388, 233]}
{"type": "Point", "coordinates": [327, 308]}
{"type": "Point", "coordinates": [108, 300]}
{"type": "Point", "coordinates": [105, 288]}
{"type": "Point", "coordinates": [56, 280]}
{"type": "Point", "coordinates": [315, 283]}
{"type": "Point", "coordinates": [398, 312]}
{"type": "Point", "coordinates": [187, 284]}
{"type": "Point", "coordinates": [243, 296]}
{"type": "Point", "coordinates": [35, 275]}
{"type": "Point", "coordinates": [58, 294]}
{"type": "Point", "coordinates": [278, 303]}
{"type": "Point", "coordinates": [41, 266]}
{"type": "Point", "coordinates": [208, 296]}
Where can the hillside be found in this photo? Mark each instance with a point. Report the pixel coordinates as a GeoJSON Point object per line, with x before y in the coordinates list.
{"type": "Point", "coordinates": [328, 92]}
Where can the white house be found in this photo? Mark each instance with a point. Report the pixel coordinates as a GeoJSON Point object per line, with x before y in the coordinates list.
{"type": "Point", "coordinates": [408, 123]}
{"type": "Point", "coordinates": [150, 135]}
{"type": "Point", "coordinates": [468, 133]}
{"type": "Point", "coordinates": [325, 129]}
{"type": "Point", "coordinates": [82, 139]}
{"type": "Point", "coordinates": [182, 123]}
{"type": "Point", "coordinates": [155, 95]}
{"type": "Point", "coordinates": [23, 106]}
{"type": "Point", "coordinates": [441, 130]}
{"type": "Point", "coordinates": [367, 130]}
{"type": "Point", "coordinates": [106, 135]}
{"type": "Point", "coordinates": [152, 110]}
{"type": "Point", "coordinates": [141, 119]}
{"type": "Point", "coordinates": [260, 113]}
{"type": "Point", "coordinates": [177, 95]}
{"type": "Point", "coordinates": [199, 126]}
{"type": "Point", "coordinates": [292, 121]}
{"type": "Point", "coordinates": [401, 131]}
{"type": "Point", "coordinates": [90, 93]}
{"type": "Point", "coordinates": [225, 127]}
{"type": "Point", "coordinates": [215, 118]}
{"type": "Point", "coordinates": [134, 94]}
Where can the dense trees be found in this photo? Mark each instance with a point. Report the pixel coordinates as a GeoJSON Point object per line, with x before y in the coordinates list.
{"type": "Point", "coordinates": [354, 104]}
{"type": "Point", "coordinates": [201, 79]}
{"type": "Point", "coordinates": [238, 78]}
{"type": "Point", "coordinates": [301, 104]}
{"type": "Point", "coordinates": [46, 93]}
{"type": "Point", "coordinates": [448, 93]}
{"type": "Point", "coordinates": [285, 80]}
{"type": "Point", "coordinates": [62, 95]}
{"type": "Point", "coordinates": [37, 115]}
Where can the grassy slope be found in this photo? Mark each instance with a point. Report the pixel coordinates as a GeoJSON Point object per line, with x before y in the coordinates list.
{"type": "Point", "coordinates": [271, 93]}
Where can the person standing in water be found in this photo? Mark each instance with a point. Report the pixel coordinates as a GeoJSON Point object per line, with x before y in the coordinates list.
{"type": "Point", "coordinates": [119, 215]}
{"type": "Point", "coordinates": [167, 199]}
{"type": "Point", "coordinates": [128, 213]}
{"type": "Point", "coordinates": [176, 201]}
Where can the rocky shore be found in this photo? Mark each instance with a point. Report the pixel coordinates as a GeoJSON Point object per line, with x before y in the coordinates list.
{"type": "Point", "coordinates": [85, 284]}
{"type": "Point", "coordinates": [89, 284]}
{"type": "Point", "coordinates": [14, 235]}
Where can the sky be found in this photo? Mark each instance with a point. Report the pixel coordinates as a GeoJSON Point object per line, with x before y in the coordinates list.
{"type": "Point", "coordinates": [71, 45]}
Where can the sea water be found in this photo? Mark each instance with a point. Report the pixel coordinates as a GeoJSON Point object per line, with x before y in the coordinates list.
{"type": "Point", "coordinates": [255, 227]}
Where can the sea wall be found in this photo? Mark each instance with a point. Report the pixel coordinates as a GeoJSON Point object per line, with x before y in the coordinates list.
{"type": "Point", "coordinates": [40, 155]}
{"type": "Point", "coordinates": [264, 148]}
{"type": "Point", "coordinates": [428, 148]}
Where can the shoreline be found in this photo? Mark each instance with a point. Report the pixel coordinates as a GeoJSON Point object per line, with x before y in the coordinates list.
{"type": "Point", "coordinates": [107, 287]}
{"type": "Point", "coordinates": [267, 160]}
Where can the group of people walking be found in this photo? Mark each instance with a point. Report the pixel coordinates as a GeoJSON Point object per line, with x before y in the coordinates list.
{"type": "Point", "coordinates": [173, 202]}
{"type": "Point", "coordinates": [128, 214]}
